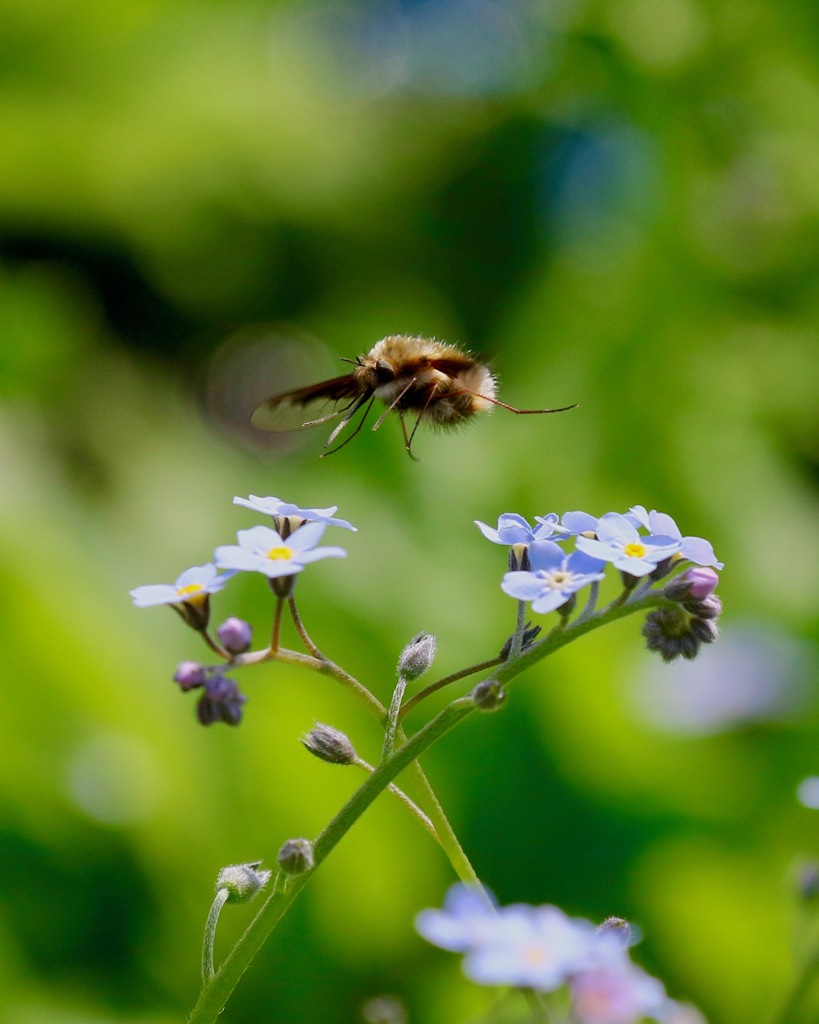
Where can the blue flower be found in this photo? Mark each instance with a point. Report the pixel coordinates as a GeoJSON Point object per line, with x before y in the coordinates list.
{"type": "Point", "coordinates": [467, 919]}
{"type": "Point", "coordinates": [618, 994]}
{"type": "Point", "coordinates": [619, 542]}
{"type": "Point", "coordinates": [555, 576]}
{"type": "Point", "coordinates": [192, 587]}
{"type": "Point", "coordinates": [695, 549]}
{"type": "Point", "coordinates": [537, 947]}
{"type": "Point", "coordinates": [574, 523]}
{"type": "Point", "coordinates": [514, 529]}
{"type": "Point", "coordinates": [263, 550]}
{"type": "Point", "coordinates": [277, 508]}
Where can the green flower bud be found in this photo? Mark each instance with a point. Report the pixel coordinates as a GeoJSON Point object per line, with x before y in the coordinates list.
{"type": "Point", "coordinates": [417, 656]}
{"type": "Point", "coordinates": [242, 881]}
{"type": "Point", "coordinates": [296, 856]}
{"type": "Point", "coordinates": [488, 695]}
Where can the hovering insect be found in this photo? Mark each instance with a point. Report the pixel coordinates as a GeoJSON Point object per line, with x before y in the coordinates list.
{"type": "Point", "coordinates": [442, 384]}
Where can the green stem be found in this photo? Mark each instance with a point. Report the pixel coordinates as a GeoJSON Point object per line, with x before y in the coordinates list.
{"type": "Point", "coordinates": [441, 683]}
{"type": "Point", "coordinates": [517, 637]}
{"type": "Point", "coordinates": [217, 989]}
{"type": "Point", "coordinates": [405, 800]}
{"type": "Point", "coordinates": [219, 900]}
{"type": "Point", "coordinates": [302, 631]}
{"type": "Point", "coordinates": [277, 626]}
{"type": "Point", "coordinates": [323, 667]}
{"type": "Point", "coordinates": [392, 716]}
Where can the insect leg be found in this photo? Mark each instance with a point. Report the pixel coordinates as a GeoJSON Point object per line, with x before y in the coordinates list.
{"type": "Point", "coordinates": [346, 420]}
{"type": "Point", "coordinates": [432, 392]}
{"type": "Point", "coordinates": [393, 404]}
{"type": "Point", "coordinates": [408, 440]}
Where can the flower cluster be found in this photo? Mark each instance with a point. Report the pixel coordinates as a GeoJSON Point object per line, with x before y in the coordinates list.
{"type": "Point", "coordinates": [642, 545]}
{"type": "Point", "coordinates": [279, 554]}
{"type": "Point", "coordinates": [541, 948]}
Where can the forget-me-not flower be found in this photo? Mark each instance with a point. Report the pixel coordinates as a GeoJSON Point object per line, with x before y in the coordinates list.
{"type": "Point", "coordinates": [619, 542]}
{"type": "Point", "coordinates": [554, 576]}
{"type": "Point", "coordinates": [192, 587]}
{"type": "Point", "coordinates": [531, 947]}
{"type": "Point", "coordinates": [277, 508]}
{"type": "Point", "coordinates": [514, 529]}
{"type": "Point", "coordinates": [263, 550]}
{"type": "Point", "coordinates": [695, 549]}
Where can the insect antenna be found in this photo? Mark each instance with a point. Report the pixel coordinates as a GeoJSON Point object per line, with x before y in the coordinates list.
{"type": "Point", "coordinates": [367, 398]}
{"type": "Point", "coordinates": [521, 412]}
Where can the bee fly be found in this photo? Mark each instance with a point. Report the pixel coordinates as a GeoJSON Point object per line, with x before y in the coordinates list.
{"type": "Point", "coordinates": [439, 382]}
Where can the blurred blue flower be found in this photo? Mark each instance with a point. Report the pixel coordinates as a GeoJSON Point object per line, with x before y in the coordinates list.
{"type": "Point", "coordinates": [276, 507]}
{"type": "Point", "coordinates": [619, 542]}
{"type": "Point", "coordinates": [807, 792]}
{"type": "Point", "coordinates": [263, 550]}
{"type": "Point", "coordinates": [555, 576]}
{"type": "Point", "coordinates": [192, 587]}
{"type": "Point", "coordinates": [514, 529]}
{"type": "Point", "coordinates": [537, 947]}
{"type": "Point", "coordinates": [616, 991]}
{"type": "Point", "coordinates": [695, 549]}
{"type": "Point", "coordinates": [467, 919]}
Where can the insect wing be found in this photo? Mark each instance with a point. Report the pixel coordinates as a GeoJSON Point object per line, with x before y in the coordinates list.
{"type": "Point", "coordinates": [288, 411]}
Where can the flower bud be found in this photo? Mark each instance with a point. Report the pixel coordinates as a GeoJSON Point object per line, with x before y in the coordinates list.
{"type": "Point", "coordinates": [417, 656]}
{"type": "Point", "coordinates": [618, 926]}
{"type": "Point", "coordinates": [530, 634]}
{"type": "Point", "coordinates": [689, 646]}
{"type": "Point", "coordinates": [189, 675]}
{"type": "Point", "coordinates": [488, 695]}
{"type": "Point", "coordinates": [662, 568]}
{"type": "Point", "coordinates": [196, 611]}
{"type": "Point", "coordinates": [222, 701]}
{"type": "Point", "coordinates": [235, 635]}
{"type": "Point", "coordinates": [283, 586]}
{"type": "Point", "coordinates": [242, 881]}
{"type": "Point", "coordinates": [519, 558]}
{"type": "Point", "coordinates": [666, 632]}
{"type": "Point", "coordinates": [705, 630]}
{"type": "Point", "coordinates": [708, 608]}
{"type": "Point", "coordinates": [702, 582]}
{"type": "Point", "coordinates": [296, 856]}
{"type": "Point", "coordinates": [807, 881]}
{"type": "Point", "coordinates": [330, 745]}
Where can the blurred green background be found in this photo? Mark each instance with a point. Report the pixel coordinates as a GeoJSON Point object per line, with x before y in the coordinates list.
{"type": "Point", "coordinates": [617, 203]}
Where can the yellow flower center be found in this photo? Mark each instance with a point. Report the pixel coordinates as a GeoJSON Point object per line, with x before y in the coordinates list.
{"type": "Point", "coordinates": [186, 593]}
{"type": "Point", "coordinates": [635, 549]}
{"type": "Point", "coordinates": [280, 554]}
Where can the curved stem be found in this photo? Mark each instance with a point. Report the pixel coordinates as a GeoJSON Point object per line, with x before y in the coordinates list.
{"type": "Point", "coordinates": [217, 989]}
{"type": "Point", "coordinates": [324, 667]}
{"type": "Point", "coordinates": [392, 716]}
{"type": "Point", "coordinates": [441, 683]}
{"type": "Point", "coordinates": [302, 631]}
{"type": "Point", "coordinates": [277, 625]}
{"type": "Point", "coordinates": [219, 900]}
{"type": "Point", "coordinates": [405, 800]}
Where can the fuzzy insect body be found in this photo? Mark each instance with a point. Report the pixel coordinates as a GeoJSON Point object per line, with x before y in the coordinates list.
{"type": "Point", "coordinates": [442, 384]}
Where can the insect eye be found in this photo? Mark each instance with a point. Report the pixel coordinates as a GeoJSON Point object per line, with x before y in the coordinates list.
{"type": "Point", "coordinates": [384, 372]}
